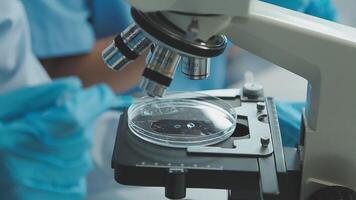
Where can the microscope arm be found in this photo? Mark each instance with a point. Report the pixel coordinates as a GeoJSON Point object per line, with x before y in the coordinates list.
{"type": "Point", "coordinates": [324, 53]}
{"type": "Point", "coordinates": [318, 50]}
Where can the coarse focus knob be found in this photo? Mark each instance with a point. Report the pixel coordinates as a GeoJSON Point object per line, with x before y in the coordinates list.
{"type": "Point", "coordinates": [175, 184]}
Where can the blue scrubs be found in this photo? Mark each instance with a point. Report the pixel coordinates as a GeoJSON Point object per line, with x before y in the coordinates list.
{"type": "Point", "coordinates": [59, 27]}
{"type": "Point", "coordinates": [110, 17]}
{"type": "Point", "coordinates": [66, 27]}
{"type": "Point", "coordinates": [319, 8]}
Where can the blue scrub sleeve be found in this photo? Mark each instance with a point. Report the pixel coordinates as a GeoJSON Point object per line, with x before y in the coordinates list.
{"type": "Point", "coordinates": [297, 5]}
{"type": "Point", "coordinates": [60, 27]}
{"type": "Point", "coordinates": [290, 118]}
{"type": "Point", "coordinates": [110, 17]}
{"type": "Point", "coordinates": [323, 9]}
{"type": "Point", "coordinates": [319, 8]}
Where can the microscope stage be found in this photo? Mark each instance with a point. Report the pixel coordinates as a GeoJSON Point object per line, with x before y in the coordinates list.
{"type": "Point", "coordinates": [241, 162]}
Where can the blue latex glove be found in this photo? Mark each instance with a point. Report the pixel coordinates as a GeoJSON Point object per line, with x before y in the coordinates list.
{"type": "Point", "coordinates": [290, 117]}
{"type": "Point", "coordinates": [45, 139]}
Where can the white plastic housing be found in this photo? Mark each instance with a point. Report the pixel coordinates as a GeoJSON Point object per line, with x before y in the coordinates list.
{"type": "Point", "coordinates": [227, 7]}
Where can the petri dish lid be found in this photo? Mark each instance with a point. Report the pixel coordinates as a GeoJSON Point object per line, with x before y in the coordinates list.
{"type": "Point", "coordinates": [181, 120]}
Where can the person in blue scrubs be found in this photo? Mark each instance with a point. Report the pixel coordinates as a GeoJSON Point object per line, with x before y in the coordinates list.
{"type": "Point", "coordinates": [70, 37]}
{"type": "Point", "coordinates": [45, 129]}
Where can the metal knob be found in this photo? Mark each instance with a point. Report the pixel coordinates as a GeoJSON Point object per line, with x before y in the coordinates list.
{"type": "Point", "coordinates": [196, 68]}
{"type": "Point", "coordinates": [159, 71]}
{"type": "Point", "coordinates": [265, 141]}
{"type": "Point", "coordinates": [261, 106]}
{"type": "Point", "coordinates": [125, 48]}
{"type": "Point", "coordinates": [252, 90]}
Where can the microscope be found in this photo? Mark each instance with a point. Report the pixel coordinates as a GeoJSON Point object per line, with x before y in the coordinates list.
{"type": "Point", "coordinates": [189, 33]}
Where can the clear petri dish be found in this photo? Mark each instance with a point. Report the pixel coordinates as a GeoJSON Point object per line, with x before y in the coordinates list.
{"type": "Point", "coordinates": [181, 120]}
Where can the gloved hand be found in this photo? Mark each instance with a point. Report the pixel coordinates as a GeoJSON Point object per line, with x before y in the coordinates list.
{"type": "Point", "coordinates": [45, 139]}
{"type": "Point", "coordinates": [319, 8]}
{"type": "Point", "coordinates": [290, 117]}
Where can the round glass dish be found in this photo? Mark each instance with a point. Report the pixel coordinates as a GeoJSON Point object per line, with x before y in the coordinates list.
{"type": "Point", "coordinates": [181, 120]}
